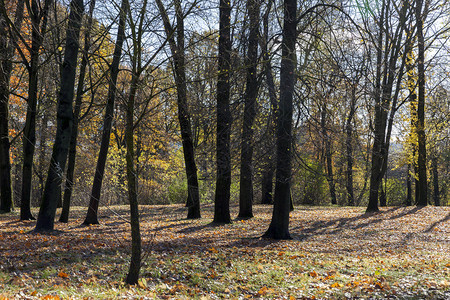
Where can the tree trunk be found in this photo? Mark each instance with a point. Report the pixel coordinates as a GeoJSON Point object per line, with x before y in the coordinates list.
{"type": "Point", "coordinates": [52, 191]}
{"type": "Point", "coordinates": [64, 218]}
{"type": "Point", "coordinates": [383, 96]}
{"type": "Point", "coordinates": [92, 212]}
{"type": "Point", "coordinates": [349, 148]}
{"type": "Point", "coordinates": [267, 184]}
{"type": "Point", "coordinates": [267, 181]}
{"type": "Point", "coordinates": [251, 93]}
{"type": "Point", "coordinates": [328, 155]}
{"type": "Point", "coordinates": [29, 132]}
{"type": "Point", "coordinates": [177, 49]}
{"type": "Point", "coordinates": [223, 153]}
{"type": "Point", "coordinates": [379, 130]}
{"type": "Point", "coordinates": [408, 201]}
{"type": "Point", "coordinates": [279, 226]}
{"type": "Point", "coordinates": [434, 167]}
{"type": "Point", "coordinates": [421, 140]}
{"type": "Point", "coordinates": [135, 263]}
{"type": "Point", "coordinates": [7, 47]}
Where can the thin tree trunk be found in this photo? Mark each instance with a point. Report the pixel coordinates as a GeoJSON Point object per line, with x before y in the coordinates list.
{"type": "Point", "coordinates": [29, 132]}
{"type": "Point", "coordinates": [223, 153]}
{"type": "Point", "coordinates": [349, 148]}
{"type": "Point", "coordinates": [52, 191]}
{"type": "Point", "coordinates": [279, 226]}
{"type": "Point", "coordinates": [378, 139]}
{"type": "Point", "coordinates": [92, 212]}
{"type": "Point", "coordinates": [383, 104]}
{"type": "Point", "coordinates": [177, 49]}
{"type": "Point", "coordinates": [64, 218]}
{"type": "Point", "coordinates": [434, 168]}
{"type": "Point", "coordinates": [251, 93]}
{"type": "Point", "coordinates": [408, 201]}
{"type": "Point", "coordinates": [135, 263]}
{"type": "Point", "coordinates": [267, 181]}
{"type": "Point", "coordinates": [328, 155]}
{"type": "Point", "coordinates": [421, 139]}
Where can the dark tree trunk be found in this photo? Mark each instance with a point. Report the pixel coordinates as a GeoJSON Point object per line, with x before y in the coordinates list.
{"type": "Point", "coordinates": [29, 132]}
{"type": "Point", "coordinates": [64, 218]}
{"type": "Point", "coordinates": [251, 93]}
{"type": "Point", "coordinates": [421, 140]}
{"type": "Point", "coordinates": [52, 191]}
{"type": "Point", "coordinates": [135, 263]}
{"type": "Point", "coordinates": [379, 130]}
{"type": "Point", "coordinates": [383, 96]}
{"type": "Point", "coordinates": [408, 201]}
{"type": "Point", "coordinates": [434, 168]}
{"type": "Point", "coordinates": [349, 148]}
{"type": "Point", "coordinates": [7, 47]}
{"type": "Point", "coordinates": [279, 226]}
{"type": "Point", "coordinates": [223, 179]}
{"type": "Point", "coordinates": [177, 49]}
{"type": "Point", "coordinates": [267, 184]}
{"type": "Point", "coordinates": [92, 212]}
{"type": "Point", "coordinates": [269, 155]}
{"type": "Point", "coordinates": [328, 155]}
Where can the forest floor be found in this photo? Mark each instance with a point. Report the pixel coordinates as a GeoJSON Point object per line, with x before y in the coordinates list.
{"type": "Point", "coordinates": [336, 253]}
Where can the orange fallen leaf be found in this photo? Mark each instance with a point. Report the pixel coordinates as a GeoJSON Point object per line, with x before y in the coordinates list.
{"type": "Point", "coordinates": [313, 274]}
{"type": "Point", "coordinates": [262, 291]}
{"type": "Point", "coordinates": [63, 275]}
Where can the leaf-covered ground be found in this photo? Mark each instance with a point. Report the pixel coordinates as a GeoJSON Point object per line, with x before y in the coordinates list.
{"type": "Point", "coordinates": [336, 253]}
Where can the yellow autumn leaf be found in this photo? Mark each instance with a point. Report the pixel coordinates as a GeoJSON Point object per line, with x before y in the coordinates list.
{"type": "Point", "coordinates": [336, 285]}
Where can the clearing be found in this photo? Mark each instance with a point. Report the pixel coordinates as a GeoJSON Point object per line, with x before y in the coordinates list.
{"type": "Point", "coordinates": [336, 253]}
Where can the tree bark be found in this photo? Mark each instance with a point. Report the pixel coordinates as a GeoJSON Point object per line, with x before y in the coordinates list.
{"type": "Point", "coordinates": [279, 226]}
{"type": "Point", "coordinates": [251, 93]}
{"type": "Point", "coordinates": [421, 139]}
{"type": "Point", "coordinates": [434, 168]}
{"type": "Point", "coordinates": [383, 95]}
{"type": "Point", "coordinates": [135, 263]}
{"type": "Point", "coordinates": [64, 217]}
{"type": "Point", "coordinates": [328, 155]}
{"type": "Point", "coordinates": [270, 154]}
{"type": "Point", "coordinates": [223, 153]}
{"type": "Point", "coordinates": [177, 49]}
{"type": "Point", "coordinates": [349, 149]}
{"type": "Point", "coordinates": [7, 47]}
{"type": "Point", "coordinates": [52, 191]}
{"type": "Point", "coordinates": [38, 16]}
{"type": "Point", "coordinates": [408, 201]}
{"type": "Point", "coordinates": [92, 212]}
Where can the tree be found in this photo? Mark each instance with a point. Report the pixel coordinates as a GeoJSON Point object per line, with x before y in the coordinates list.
{"type": "Point", "coordinates": [64, 218]}
{"type": "Point", "coordinates": [279, 226]}
{"type": "Point", "coordinates": [223, 177]}
{"type": "Point", "coordinates": [421, 140]}
{"type": "Point", "coordinates": [389, 73]}
{"type": "Point", "coordinates": [94, 200]}
{"type": "Point", "coordinates": [39, 19]}
{"type": "Point", "coordinates": [7, 49]}
{"type": "Point", "coordinates": [178, 58]}
{"type": "Point", "coordinates": [269, 154]}
{"type": "Point", "coordinates": [52, 191]}
{"type": "Point", "coordinates": [251, 93]}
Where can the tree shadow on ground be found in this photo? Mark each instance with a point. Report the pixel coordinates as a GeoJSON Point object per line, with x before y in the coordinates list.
{"type": "Point", "coordinates": [320, 227]}
{"type": "Point", "coordinates": [432, 226]}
